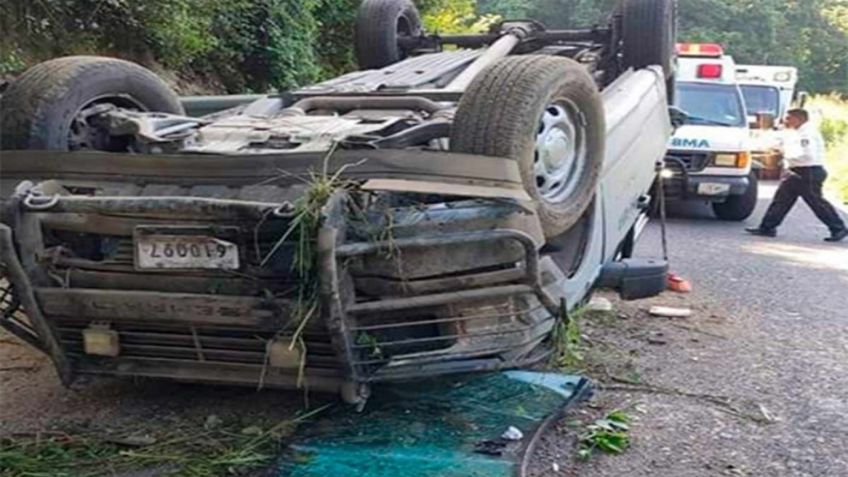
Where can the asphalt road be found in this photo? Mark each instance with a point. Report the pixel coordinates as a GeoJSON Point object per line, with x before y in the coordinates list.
{"type": "Point", "coordinates": [779, 311]}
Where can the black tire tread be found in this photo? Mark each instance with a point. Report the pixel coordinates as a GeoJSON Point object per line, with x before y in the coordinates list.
{"type": "Point", "coordinates": [23, 120]}
{"type": "Point", "coordinates": [375, 43]}
{"type": "Point", "coordinates": [642, 20]}
{"type": "Point", "coordinates": [740, 207]}
{"type": "Point", "coordinates": [497, 115]}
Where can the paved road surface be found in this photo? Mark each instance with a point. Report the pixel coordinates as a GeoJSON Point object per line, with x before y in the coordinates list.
{"type": "Point", "coordinates": [783, 306]}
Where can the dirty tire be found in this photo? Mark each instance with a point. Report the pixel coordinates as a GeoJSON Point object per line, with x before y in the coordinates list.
{"type": "Point", "coordinates": [500, 113]}
{"type": "Point", "coordinates": [739, 207]}
{"type": "Point", "coordinates": [379, 24]}
{"type": "Point", "coordinates": [38, 107]}
{"type": "Point", "coordinates": [649, 32]}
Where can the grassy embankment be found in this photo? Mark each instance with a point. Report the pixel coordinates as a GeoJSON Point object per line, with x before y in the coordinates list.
{"type": "Point", "coordinates": [833, 112]}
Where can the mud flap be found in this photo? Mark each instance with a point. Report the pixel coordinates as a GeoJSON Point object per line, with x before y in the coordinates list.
{"type": "Point", "coordinates": [635, 278]}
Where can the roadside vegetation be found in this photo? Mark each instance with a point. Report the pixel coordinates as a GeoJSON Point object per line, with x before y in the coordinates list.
{"type": "Point", "coordinates": [833, 113]}
{"type": "Point", "coordinates": [252, 45]}
{"type": "Point", "coordinates": [210, 449]}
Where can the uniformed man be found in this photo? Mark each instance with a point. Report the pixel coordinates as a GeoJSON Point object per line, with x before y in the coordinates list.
{"type": "Point", "coordinates": [804, 177]}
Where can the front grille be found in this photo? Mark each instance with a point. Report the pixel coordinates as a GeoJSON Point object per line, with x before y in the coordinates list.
{"type": "Point", "coordinates": [201, 344]}
{"type": "Point", "coordinates": [691, 161]}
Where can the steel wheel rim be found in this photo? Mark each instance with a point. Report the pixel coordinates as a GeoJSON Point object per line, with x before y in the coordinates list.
{"type": "Point", "coordinates": [559, 158]}
{"type": "Point", "coordinates": [81, 132]}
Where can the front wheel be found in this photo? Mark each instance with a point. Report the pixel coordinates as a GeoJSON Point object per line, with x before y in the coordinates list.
{"type": "Point", "coordinates": [546, 113]}
{"type": "Point", "coordinates": [54, 105]}
{"type": "Point", "coordinates": [739, 207]}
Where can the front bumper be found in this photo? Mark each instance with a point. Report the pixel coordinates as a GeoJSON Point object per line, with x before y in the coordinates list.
{"type": "Point", "coordinates": [705, 187]}
{"type": "Point", "coordinates": [405, 290]}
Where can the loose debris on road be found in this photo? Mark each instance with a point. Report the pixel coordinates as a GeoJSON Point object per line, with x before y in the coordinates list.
{"type": "Point", "coordinates": [605, 346]}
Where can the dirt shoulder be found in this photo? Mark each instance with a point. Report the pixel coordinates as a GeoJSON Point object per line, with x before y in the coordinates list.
{"type": "Point", "coordinates": [126, 428]}
{"type": "Point", "coordinates": [754, 383]}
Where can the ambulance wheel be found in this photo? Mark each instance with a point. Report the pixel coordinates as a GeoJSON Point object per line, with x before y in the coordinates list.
{"type": "Point", "coordinates": [739, 207]}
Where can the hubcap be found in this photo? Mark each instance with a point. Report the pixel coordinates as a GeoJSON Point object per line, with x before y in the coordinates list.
{"type": "Point", "coordinates": [560, 154]}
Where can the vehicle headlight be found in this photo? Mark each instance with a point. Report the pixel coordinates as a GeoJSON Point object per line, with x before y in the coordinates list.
{"type": "Point", "coordinates": [739, 160]}
{"type": "Point", "coordinates": [725, 160]}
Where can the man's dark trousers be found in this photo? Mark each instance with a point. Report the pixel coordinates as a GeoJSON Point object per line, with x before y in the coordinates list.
{"type": "Point", "coordinates": [807, 183]}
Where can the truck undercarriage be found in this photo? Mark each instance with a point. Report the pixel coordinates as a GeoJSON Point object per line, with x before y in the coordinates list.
{"type": "Point", "coordinates": [416, 219]}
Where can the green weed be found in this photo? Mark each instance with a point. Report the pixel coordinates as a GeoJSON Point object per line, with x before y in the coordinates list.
{"type": "Point", "coordinates": [195, 451]}
{"type": "Point", "coordinates": [610, 435]}
{"type": "Point", "coordinates": [569, 351]}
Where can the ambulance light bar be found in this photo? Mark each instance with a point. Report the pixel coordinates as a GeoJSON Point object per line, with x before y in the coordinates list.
{"type": "Point", "coordinates": [702, 50]}
{"type": "Point", "coordinates": [710, 71]}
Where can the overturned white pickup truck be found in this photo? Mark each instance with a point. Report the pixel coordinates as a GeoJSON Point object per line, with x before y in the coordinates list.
{"type": "Point", "coordinates": [436, 213]}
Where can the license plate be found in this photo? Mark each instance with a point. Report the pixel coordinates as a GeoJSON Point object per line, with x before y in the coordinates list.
{"type": "Point", "coordinates": [712, 188]}
{"type": "Point", "coordinates": [185, 252]}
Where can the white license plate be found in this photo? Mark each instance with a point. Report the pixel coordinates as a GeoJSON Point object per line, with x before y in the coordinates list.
{"type": "Point", "coordinates": [712, 188]}
{"type": "Point", "coordinates": [185, 252]}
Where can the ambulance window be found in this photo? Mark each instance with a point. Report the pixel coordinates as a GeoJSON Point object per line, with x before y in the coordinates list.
{"type": "Point", "coordinates": [761, 99]}
{"type": "Point", "coordinates": [711, 104]}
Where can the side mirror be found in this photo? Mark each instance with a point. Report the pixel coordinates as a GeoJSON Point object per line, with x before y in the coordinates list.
{"type": "Point", "coordinates": [678, 116]}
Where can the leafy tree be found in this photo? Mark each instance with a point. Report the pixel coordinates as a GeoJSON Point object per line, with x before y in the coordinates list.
{"type": "Point", "coordinates": [244, 45]}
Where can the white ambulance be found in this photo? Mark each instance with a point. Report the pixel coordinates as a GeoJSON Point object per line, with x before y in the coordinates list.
{"type": "Point", "coordinates": [709, 156]}
{"type": "Point", "coordinates": [769, 92]}
{"type": "Point", "coordinates": [767, 89]}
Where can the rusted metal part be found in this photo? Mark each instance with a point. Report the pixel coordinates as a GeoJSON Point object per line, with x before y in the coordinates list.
{"type": "Point", "coordinates": [146, 307]}
{"type": "Point", "coordinates": [211, 372]}
{"type": "Point", "coordinates": [331, 299]}
{"type": "Point", "coordinates": [531, 256]}
{"type": "Point", "coordinates": [246, 169]}
{"type": "Point", "coordinates": [200, 323]}
{"type": "Point", "coordinates": [437, 299]}
{"type": "Point", "coordinates": [428, 370]}
{"type": "Point", "coordinates": [386, 287]}
{"type": "Point", "coordinates": [422, 187]}
{"type": "Point", "coordinates": [498, 50]}
{"type": "Point", "coordinates": [9, 308]}
{"type": "Point", "coordinates": [18, 277]}
{"type": "Point", "coordinates": [220, 285]}
{"type": "Point", "coordinates": [414, 72]}
{"type": "Point", "coordinates": [344, 104]}
{"type": "Point", "coordinates": [195, 207]}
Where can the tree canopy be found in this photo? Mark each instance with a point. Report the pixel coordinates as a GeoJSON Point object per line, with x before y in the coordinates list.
{"type": "Point", "coordinates": [251, 45]}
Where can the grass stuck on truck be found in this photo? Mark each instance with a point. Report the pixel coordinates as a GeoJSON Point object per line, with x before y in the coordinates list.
{"type": "Point", "coordinates": [437, 212]}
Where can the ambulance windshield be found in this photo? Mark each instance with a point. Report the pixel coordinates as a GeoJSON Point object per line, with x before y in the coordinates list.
{"type": "Point", "coordinates": [761, 99]}
{"type": "Point", "coordinates": [711, 104]}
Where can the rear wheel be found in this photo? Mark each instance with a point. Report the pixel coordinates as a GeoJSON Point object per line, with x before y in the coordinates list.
{"type": "Point", "coordinates": [55, 104]}
{"type": "Point", "coordinates": [379, 27]}
{"type": "Point", "coordinates": [649, 34]}
{"type": "Point", "coordinates": [739, 207]}
{"type": "Point", "coordinates": [546, 113]}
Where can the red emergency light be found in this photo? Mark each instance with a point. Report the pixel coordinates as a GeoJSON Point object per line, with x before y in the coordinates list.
{"type": "Point", "coordinates": [710, 71]}
{"type": "Point", "coordinates": [703, 50]}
